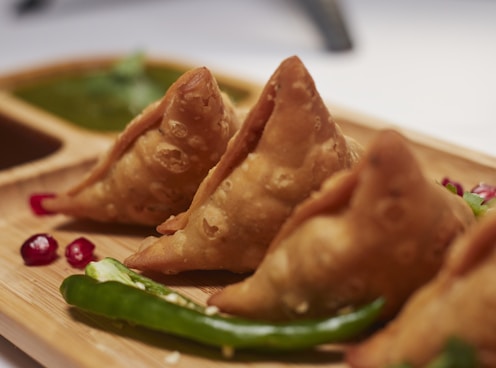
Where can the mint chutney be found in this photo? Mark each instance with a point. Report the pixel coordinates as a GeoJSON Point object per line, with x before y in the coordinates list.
{"type": "Point", "coordinates": [106, 100]}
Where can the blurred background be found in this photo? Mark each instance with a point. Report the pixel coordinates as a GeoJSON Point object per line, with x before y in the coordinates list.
{"type": "Point", "coordinates": [426, 65]}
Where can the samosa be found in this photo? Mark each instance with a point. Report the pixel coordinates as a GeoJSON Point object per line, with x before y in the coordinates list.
{"type": "Point", "coordinates": [380, 229]}
{"type": "Point", "coordinates": [458, 305]}
{"type": "Point", "coordinates": [287, 146]}
{"type": "Point", "coordinates": [156, 164]}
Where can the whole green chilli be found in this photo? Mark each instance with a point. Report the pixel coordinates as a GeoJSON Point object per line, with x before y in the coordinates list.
{"type": "Point", "coordinates": [121, 301]}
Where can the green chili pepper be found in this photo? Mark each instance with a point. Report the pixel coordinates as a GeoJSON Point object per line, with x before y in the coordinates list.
{"type": "Point", "coordinates": [109, 269]}
{"type": "Point", "coordinates": [117, 300]}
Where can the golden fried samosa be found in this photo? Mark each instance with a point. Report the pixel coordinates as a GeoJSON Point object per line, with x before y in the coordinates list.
{"type": "Point", "coordinates": [377, 230]}
{"type": "Point", "coordinates": [286, 147]}
{"type": "Point", "coordinates": [156, 164]}
{"type": "Point", "coordinates": [459, 303]}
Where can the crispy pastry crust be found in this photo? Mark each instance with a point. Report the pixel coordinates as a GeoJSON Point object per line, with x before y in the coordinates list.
{"type": "Point", "coordinates": [156, 164]}
{"type": "Point", "coordinates": [287, 146]}
{"type": "Point", "coordinates": [459, 303]}
{"type": "Point", "coordinates": [380, 229]}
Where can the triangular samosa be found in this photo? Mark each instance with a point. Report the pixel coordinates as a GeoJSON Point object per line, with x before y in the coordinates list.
{"type": "Point", "coordinates": [454, 309]}
{"type": "Point", "coordinates": [287, 146]}
{"type": "Point", "coordinates": [377, 230]}
{"type": "Point", "coordinates": [156, 164]}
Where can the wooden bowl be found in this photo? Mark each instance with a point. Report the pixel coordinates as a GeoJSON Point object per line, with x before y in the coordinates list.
{"type": "Point", "coordinates": [40, 141]}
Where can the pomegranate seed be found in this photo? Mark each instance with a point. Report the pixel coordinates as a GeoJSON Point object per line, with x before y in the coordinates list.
{"type": "Point", "coordinates": [79, 252]}
{"type": "Point", "coordinates": [459, 189]}
{"type": "Point", "coordinates": [35, 201]}
{"type": "Point", "coordinates": [485, 191]}
{"type": "Point", "coordinates": [39, 249]}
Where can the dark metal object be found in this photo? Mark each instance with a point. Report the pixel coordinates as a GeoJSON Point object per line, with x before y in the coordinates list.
{"type": "Point", "coordinates": [328, 16]}
{"type": "Point", "coordinates": [30, 6]}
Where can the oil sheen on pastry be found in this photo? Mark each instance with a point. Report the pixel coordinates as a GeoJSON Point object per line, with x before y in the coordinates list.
{"type": "Point", "coordinates": [380, 229]}
{"type": "Point", "coordinates": [287, 146]}
{"type": "Point", "coordinates": [156, 164]}
{"type": "Point", "coordinates": [458, 304]}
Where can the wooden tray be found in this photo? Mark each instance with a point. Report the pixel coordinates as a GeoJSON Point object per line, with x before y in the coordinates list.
{"type": "Point", "coordinates": [33, 314]}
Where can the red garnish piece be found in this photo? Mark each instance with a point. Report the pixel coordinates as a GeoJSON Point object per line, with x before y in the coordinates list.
{"type": "Point", "coordinates": [448, 182]}
{"type": "Point", "coordinates": [79, 252]}
{"type": "Point", "coordinates": [35, 202]}
{"type": "Point", "coordinates": [485, 191]}
{"type": "Point", "coordinates": [39, 249]}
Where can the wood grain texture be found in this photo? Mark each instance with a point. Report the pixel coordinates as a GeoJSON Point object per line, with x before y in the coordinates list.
{"type": "Point", "coordinates": [33, 314]}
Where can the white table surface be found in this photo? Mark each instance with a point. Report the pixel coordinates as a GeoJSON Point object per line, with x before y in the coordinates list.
{"type": "Point", "coordinates": [426, 65]}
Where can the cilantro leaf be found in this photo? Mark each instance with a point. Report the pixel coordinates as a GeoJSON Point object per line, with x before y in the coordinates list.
{"type": "Point", "coordinates": [125, 86]}
{"type": "Point", "coordinates": [476, 203]}
{"type": "Point", "coordinates": [455, 354]}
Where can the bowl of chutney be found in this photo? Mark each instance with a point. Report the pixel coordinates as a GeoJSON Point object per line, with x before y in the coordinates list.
{"type": "Point", "coordinates": [104, 94]}
{"type": "Point", "coordinates": [60, 117]}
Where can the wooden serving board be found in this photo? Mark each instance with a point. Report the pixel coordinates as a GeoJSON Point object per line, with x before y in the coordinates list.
{"type": "Point", "coordinates": [33, 314]}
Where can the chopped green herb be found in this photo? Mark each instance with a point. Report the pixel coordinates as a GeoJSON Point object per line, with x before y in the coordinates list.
{"type": "Point", "coordinates": [452, 188]}
{"type": "Point", "coordinates": [125, 85]}
{"type": "Point", "coordinates": [476, 203]}
{"type": "Point", "coordinates": [456, 354]}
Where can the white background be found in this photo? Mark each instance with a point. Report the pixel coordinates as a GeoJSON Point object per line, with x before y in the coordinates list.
{"type": "Point", "coordinates": [427, 65]}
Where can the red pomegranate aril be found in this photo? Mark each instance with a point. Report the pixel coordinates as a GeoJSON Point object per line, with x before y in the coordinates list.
{"type": "Point", "coordinates": [485, 191]}
{"type": "Point", "coordinates": [79, 252]}
{"type": "Point", "coordinates": [39, 249]}
{"type": "Point", "coordinates": [35, 202]}
{"type": "Point", "coordinates": [459, 188]}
